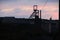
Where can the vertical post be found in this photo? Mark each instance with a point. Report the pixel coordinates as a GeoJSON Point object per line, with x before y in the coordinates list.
{"type": "Point", "coordinates": [50, 27]}
{"type": "Point", "coordinates": [40, 14]}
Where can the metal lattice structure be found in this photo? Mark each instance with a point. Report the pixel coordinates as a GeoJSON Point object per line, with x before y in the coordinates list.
{"type": "Point", "coordinates": [35, 13]}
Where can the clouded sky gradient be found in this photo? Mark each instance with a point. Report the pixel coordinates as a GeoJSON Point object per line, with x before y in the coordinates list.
{"type": "Point", "coordinates": [24, 8]}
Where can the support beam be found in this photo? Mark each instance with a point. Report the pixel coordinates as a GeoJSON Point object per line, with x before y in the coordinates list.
{"type": "Point", "coordinates": [40, 14]}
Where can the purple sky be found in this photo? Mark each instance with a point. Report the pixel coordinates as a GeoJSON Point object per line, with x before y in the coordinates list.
{"type": "Point", "coordinates": [24, 8]}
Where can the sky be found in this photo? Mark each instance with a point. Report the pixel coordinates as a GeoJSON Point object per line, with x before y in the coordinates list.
{"type": "Point", "coordinates": [24, 8]}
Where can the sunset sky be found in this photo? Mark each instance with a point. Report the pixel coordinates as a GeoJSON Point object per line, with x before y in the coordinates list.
{"type": "Point", "coordinates": [24, 8]}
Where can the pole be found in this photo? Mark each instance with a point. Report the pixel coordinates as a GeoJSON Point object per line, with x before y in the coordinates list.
{"type": "Point", "coordinates": [40, 14]}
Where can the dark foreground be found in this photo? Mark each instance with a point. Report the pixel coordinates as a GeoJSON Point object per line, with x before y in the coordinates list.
{"type": "Point", "coordinates": [26, 32]}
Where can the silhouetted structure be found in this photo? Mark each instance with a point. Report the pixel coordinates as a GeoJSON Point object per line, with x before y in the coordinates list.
{"type": "Point", "coordinates": [29, 29]}
{"type": "Point", "coordinates": [40, 14]}
{"type": "Point", "coordinates": [35, 12]}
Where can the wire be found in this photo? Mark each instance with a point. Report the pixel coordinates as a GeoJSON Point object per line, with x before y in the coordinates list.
{"type": "Point", "coordinates": [45, 4]}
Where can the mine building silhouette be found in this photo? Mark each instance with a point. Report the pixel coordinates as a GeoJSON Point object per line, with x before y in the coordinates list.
{"type": "Point", "coordinates": [34, 25]}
